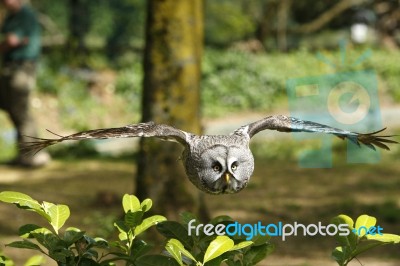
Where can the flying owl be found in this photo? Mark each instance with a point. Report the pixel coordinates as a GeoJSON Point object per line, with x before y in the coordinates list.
{"type": "Point", "coordinates": [219, 163]}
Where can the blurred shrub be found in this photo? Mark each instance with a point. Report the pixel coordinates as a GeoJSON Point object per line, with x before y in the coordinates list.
{"type": "Point", "coordinates": [226, 22]}
{"type": "Point", "coordinates": [233, 81]}
{"type": "Point", "coordinates": [386, 64]}
{"type": "Point", "coordinates": [237, 81]}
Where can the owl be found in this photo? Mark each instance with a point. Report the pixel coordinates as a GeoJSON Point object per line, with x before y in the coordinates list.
{"type": "Point", "coordinates": [219, 164]}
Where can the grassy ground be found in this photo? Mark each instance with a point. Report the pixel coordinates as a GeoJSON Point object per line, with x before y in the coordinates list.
{"type": "Point", "coordinates": [280, 190]}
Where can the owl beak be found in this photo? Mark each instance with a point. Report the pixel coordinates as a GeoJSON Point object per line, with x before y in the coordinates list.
{"type": "Point", "coordinates": [227, 177]}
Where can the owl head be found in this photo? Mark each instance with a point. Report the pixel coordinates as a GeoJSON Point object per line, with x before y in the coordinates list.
{"type": "Point", "coordinates": [224, 169]}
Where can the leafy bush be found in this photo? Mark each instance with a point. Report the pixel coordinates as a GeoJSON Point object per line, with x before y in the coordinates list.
{"type": "Point", "coordinates": [360, 239]}
{"type": "Point", "coordinates": [74, 247]}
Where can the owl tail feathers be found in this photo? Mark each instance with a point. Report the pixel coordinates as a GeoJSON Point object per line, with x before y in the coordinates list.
{"type": "Point", "coordinates": [38, 144]}
{"type": "Point", "coordinates": [371, 139]}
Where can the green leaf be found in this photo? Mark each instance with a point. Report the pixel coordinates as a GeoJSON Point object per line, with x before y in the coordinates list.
{"type": "Point", "coordinates": [23, 201]}
{"type": "Point", "coordinates": [146, 205]}
{"type": "Point", "coordinates": [139, 248]}
{"type": "Point", "coordinates": [100, 243]}
{"type": "Point", "coordinates": [6, 261]}
{"type": "Point", "coordinates": [130, 203]}
{"type": "Point", "coordinates": [24, 244]}
{"type": "Point", "coordinates": [259, 239]}
{"type": "Point", "coordinates": [174, 252]}
{"type": "Point", "coordinates": [72, 235]}
{"type": "Point", "coordinates": [217, 247]}
{"type": "Point", "coordinates": [19, 199]}
{"type": "Point", "coordinates": [338, 255]}
{"type": "Point", "coordinates": [123, 230]}
{"type": "Point", "coordinates": [257, 253]}
{"type": "Point", "coordinates": [364, 246]}
{"type": "Point", "coordinates": [241, 245]}
{"type": "Point", "coordinates": [186, 217]}
{"type": "Point", "coordinates": [215, 262]}
{"type": "Point", "coordinates": [155, 260]}
{"type": "Point", "coordinates": [172, 229]}
{"type": "Point", "coordinates": [25, 230]}
{"type": "Point", "coordinates": [176, 244]}
{"type": "Point", "coordinates": [35, 260]}
{"type": "Point", "coordinates": [366, 222]}
{"type": "Point", "coordinates": [132, 219]}
{"type": "Point", "coordinates": [148, 222]}
{"type": "Point", "coordinates": [59, 215]}
{"type": "Point", "coordinates": [349, 240]}
{"type": "Point", "coordinates": [385, 238]}
{"type": "Point", "coordinates": [61, 255]}
{"type": "Point", "coordinates": [48, 239]}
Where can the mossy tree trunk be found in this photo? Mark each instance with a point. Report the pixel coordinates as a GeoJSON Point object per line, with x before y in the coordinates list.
{"type": "Point", "coordinates": [171, 95]}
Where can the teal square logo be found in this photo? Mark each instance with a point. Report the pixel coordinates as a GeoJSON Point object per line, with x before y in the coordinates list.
{"type": "Point", "coordinates": [346, 100]}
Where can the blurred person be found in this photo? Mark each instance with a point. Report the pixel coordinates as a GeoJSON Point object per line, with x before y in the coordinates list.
{"type": "Point", "coordinates": [20, 49]}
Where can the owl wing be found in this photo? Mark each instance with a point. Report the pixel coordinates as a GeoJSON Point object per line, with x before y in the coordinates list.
{"type": "Point", "coordinates": [291, 124]}
{"type": "Point", "coordinates": [149, 129]}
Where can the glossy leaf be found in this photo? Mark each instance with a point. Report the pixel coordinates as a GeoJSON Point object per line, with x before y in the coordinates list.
{"type": "Point", "coordinates": [130, 203]}
{"type": "Point", "coordinates": [146, 205]}
{"type": "Point", "coordinates": [179, 246]}
{"type": "Point", "coordinates": [47, 238]}
{"type": "Point", "coordinates": [242, 245]}
{"type": "Point", "coordinates": [148, 222]}
{"type": "Point", "coordinates": [72, 235]}
{"type": "Point", "coordinates": [217, 247]}
{"type": "Point", "coordinates": [132, 219]}
{"type": "Point", "coordinates": [257, 253]}
{"type": "Point", "coordinates": [349, 240]}
{"type": "Point", "coordinates": [20, 199]}
{"type": "Point", "coordinates": [35, 260]}
{"type": "Point", "coordinates": [23, 201]}
{"type": "Point", "coordinates": [338, 255]}
{"type": "Point", "coordinates": [174, 252]}
{"type": "Point", "coordinates": [24, 244]}
{"type": "Point", "coordinates": [385, 238]}
{"type": "Point", "coordinates": [172, 229]}
{"type": "Point", "coordinates": [59, 215]}
{"type": "Point", "coordinates": [366, 222]}
{"type": "Point", "coordinates": [25, 230]}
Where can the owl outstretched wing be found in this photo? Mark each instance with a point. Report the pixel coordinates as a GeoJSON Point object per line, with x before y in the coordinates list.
{"type": "Point", "coordinates": [291, 124]}
{"type": "Point", "coordinates": [149, 129]}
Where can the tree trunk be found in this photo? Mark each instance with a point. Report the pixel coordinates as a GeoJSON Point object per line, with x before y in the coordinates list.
{"type": "Point", "coordinates": [171, 95]}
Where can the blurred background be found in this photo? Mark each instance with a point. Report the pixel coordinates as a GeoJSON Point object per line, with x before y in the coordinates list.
{"type": "Point", "coordinates": [101, 67]}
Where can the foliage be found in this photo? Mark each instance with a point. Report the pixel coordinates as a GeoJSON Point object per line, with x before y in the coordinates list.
{"type": "Point", "coordinates": [236, 81]}
{"type": "Point", "coordinates": [234, 25]}
{"type": "Point", "coordinates": [74, 247]}
{"type": "Point", "coordinates": [363, 236]}
{"type": "Point", "coordinates": [232, 81]}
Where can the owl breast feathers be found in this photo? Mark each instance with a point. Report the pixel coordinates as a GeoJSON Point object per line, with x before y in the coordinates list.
{"type": "Point", "coordinates": [219, 164]}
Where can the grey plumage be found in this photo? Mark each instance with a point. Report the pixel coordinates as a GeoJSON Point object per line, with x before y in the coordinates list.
{"type": "Point", "coordinates": [218, 163]}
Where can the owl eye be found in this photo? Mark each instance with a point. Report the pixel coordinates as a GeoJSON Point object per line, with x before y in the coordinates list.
{"type": "Point", "coordinates": [217, 167]}
{"type": "Point", "coordinates": [234, 166]}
